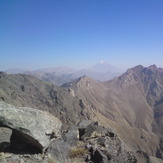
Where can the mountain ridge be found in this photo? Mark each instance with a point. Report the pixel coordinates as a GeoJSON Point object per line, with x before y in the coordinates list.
{"type": "Point", "coordinates": [129, 100]}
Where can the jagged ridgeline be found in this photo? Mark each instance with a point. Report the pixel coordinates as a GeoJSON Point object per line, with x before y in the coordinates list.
{"type": "Point", "coordinates": [130, 104]}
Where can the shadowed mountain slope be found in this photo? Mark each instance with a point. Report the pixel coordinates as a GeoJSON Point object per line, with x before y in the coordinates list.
{"type": "Point", "coordinates": [25, 90]}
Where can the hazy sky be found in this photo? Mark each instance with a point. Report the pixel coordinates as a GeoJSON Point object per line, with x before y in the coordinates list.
{"type": "Point", "coordinates": [79, 33]}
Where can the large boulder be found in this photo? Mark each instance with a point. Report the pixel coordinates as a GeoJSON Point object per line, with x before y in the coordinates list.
{"type": "Point", "coordinates": [31, 125]}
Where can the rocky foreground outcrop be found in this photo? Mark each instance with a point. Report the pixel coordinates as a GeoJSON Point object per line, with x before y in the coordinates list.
{"type": "Point", "coordinates": [29, 126]}
{"type": "Point", "coordinates": [93, 144]}
{"type": "Point", "coordinates": [33, 136]}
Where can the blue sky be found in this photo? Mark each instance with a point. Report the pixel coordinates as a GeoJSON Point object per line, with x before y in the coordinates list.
{"type": "Point", "coordinates": [78, 33]}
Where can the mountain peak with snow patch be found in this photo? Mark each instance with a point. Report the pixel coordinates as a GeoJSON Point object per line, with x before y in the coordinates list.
{"type": "Point", "coordinates": [104, 67]}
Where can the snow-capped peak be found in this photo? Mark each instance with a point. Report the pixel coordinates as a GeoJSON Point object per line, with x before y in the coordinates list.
{"type": "Point", "coordinates": [101, 61]}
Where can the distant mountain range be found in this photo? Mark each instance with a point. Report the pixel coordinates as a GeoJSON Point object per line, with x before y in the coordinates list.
{"type": "Point", "coordinates": [101, 71]}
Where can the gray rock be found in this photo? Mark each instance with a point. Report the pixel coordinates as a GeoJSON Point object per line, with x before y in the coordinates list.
{"type": "Point", "coordinates": [83, 124]}
{"type": "Point", "coordinates": [93, 131]}
{"type": "Point", "coordinates": [34, 126]}
{"type": "Point", "coordinates": [105, 146]}
{"type": "Point", "coordinates": [155, 160]}
{"type": "Point", "coordinates": [5, 135]}
{"type": "Point", "coordinates": [60, 148]}
{"type": "Point", "coordinates": [26, 158]}
{"type": "Point", "coordinates": [72, 136]}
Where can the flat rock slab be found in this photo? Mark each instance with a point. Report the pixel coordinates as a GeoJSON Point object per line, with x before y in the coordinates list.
{"type": "Point", "coordinates": [36, 126]}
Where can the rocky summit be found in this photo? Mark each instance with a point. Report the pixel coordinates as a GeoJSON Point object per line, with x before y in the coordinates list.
{"type": "Point", "coordinates": [30, 135]}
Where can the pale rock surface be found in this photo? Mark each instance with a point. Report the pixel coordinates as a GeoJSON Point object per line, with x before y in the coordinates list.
{"type": "Point", "coordinates": [35, 126]}
{"type": "Point", "coordinates": [5, 135]}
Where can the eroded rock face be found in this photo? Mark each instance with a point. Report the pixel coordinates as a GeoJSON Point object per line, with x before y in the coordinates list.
{"type": "Point", "coordinates": [96, 144]}
{"type": "Point", "coordinates": [105, 146]}
{"type": "Point", "coordinates": [33, 126]}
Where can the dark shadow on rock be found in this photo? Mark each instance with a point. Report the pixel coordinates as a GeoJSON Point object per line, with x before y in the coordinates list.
{"type": "Point", "coordinates": [23, 144]}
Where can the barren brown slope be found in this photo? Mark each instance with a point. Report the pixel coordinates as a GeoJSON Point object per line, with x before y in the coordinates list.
{"type": "Point", "coordinates": [25, 90]}
{"type": "Point", "coordinates": [126, 103]}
